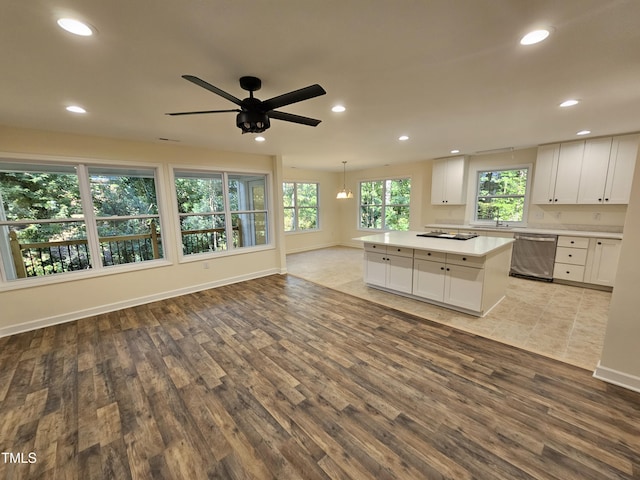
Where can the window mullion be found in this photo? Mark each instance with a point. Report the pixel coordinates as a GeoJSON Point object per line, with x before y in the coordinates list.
{"type": "Point", "coordinates": [228, 222]}
{"type": "Point", "coordinates": [93, 239]}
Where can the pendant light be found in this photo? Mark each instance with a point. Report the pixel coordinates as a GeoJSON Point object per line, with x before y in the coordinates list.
{"type": "Point", "coordinates": [343, 193]}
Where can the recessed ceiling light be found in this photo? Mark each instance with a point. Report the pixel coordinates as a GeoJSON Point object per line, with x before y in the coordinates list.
{"type": "Point", "coordinates": [455, 151]}
{"type": "Point", "coordinates": [403, 138]}
{"type": "Point", "coordinates": [534, 37]}
{"type": "Point", "coordinates": [338, 108]}
{"type": "Point", "coordinates": [584, 132]}
{"type": "Point", "coordinates": [76, 109]}
{"type": "Point", "coordinates": [260, 139]}
{"type": "Point", "coordinates": [569, 103]}
{"type": "Point", "coordinates": [75, 26]}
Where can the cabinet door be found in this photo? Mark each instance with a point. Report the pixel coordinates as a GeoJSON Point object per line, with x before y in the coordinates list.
{"type": "Point", "coordinates": [438, 182]}
{"type": "Point", "coordinates": [400, 273]}
{"type": "Point", "coordinates": [463, 287]}
{"type": "Point", "coordinates": [428, 279]}
{"type": "Point", "coordinates": [593, 176]}
{"type": "Point", "coordinates": [375, 269]}
{"type": "Point", "coordinates": [624, 152]}
{"type": "Point", "coordinates": [605, 261]}
{"type": "Point", "coordinates": [545, 174]}
{"type": "Point", "coordinates": [568, 175]}
{"type": "Point", "coordinates": [455, 182]}
{"type": "Point", "coordinates": [448, 185]}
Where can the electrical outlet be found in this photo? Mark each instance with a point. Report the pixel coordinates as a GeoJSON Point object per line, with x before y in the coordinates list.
{"type": "Point", "coordinates": [539, 215]}
{"type": "Point", "coordinates": [596, 216]}
{"type": "Point", "coordinates": [558, 215]}
{"type": "Point", "coordinates": [205, 265]}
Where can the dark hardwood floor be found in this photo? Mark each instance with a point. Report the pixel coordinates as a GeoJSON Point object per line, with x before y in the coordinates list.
{"type": "Point", "coordinates": [279, 378]}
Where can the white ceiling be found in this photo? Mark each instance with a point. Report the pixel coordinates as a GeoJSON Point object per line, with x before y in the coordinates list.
{"type": "Point", "coordinates": [448, 73]}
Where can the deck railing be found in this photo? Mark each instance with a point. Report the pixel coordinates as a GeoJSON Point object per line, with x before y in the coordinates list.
{"type": "Point", "coordinates": [45, 258]}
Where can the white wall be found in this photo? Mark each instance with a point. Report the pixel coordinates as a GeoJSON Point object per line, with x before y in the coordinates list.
{"type": "Point", "coordinates": [26, 308]}
{"type": "Point", "coordinates": [350, 208]}
{"type": "Point", "coordinates": [620, 361]}
{"type": "Point", "coordinates": [329, 232]}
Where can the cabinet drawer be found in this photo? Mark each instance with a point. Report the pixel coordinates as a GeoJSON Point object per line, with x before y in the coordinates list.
{"type": "Point", "coordinates": [475, 262]}
{"type": "Point", "coordinates": [575, 242]}
{"type": "Point", "coordinates": [573, 256]}
{"type": "Point", "coordinates": [564, 271]}
{"type": "Point", "coordinates": [375, 247]}
{"type": "Point", "coordinates": [400, 251]}
{"type": "Point", "coordinates": [429, 255]}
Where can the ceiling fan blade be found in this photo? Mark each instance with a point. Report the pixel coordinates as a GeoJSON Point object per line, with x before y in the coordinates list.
{"type": "Point", "coordinates": [211, 88]}
{"type": "Point", "coordinates": [289, 117]}
{"type": "Point", "coordinates": [293, 97]}
{"type": "Point", "coordinates": [203, 111]}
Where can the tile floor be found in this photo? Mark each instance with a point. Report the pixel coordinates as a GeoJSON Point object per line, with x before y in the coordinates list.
{"type": "Point", "coordinates": [559, 321]}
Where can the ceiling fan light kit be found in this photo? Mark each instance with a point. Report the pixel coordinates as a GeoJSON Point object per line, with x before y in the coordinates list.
{"type": "Point", "coordinates": [254, 115]}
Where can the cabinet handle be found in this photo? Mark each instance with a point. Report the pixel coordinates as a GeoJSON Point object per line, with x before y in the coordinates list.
{"type": "Point", "coordinates": [606, 199]}
{"type": "Point", "coordinates": [551, 200]}
{"type": "Point", "coordinates": [399, 249]}
{"type": "Point", "coordinates": [572, 242]}
{"type": "Point", "coordinates": [447, 269]}
{"type": "Point", "coordinates": [464, 259]}
{"type": "Point", "coordinates": [568, 272]}
{"type": "Point", "coordinates": [570, 255]}
{"type": "Point", "coordinates": [555, 199]}
{"type": "Point", "coordinates": [599, 199]}
{"type": "Point", "coordinates": [429, 254]}
{"type": "Point", "coordinates": [599, 243]}
{"type": "Point", "coordinates": [441, 268]}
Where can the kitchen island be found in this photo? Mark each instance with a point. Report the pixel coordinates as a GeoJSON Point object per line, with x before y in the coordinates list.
{"type": "Point", "coordinates": [467, 275]}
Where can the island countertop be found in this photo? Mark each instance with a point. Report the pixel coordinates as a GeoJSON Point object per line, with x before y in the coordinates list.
{"type": "Point", "coordinates": [474, 247]}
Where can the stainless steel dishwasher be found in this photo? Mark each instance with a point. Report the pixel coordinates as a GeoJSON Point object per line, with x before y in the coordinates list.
{"type": "Point", "coordinates": [533, 256]}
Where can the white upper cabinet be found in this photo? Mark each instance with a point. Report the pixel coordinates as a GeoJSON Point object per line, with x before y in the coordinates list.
{"type": "Point", "coordinates": [622, 162]}
{"type": "Point", "coordinates": [557, 173]}
{"type": "Point", "coordinates": [593, 175]}
{"type": "Point", "coordinates": [448, 181]}
{"type": "Point", "coordinates": [607, 170]}
{"type": "Point", "coordinates": [595, 171]}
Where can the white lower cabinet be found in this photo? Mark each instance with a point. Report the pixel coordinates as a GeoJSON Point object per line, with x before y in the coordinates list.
{"type": "Point", "coordinates": [603, 264]}
{"type": "Point", "coordinates": [471, 284]}
{"type": "Point", "coordinates": [390, 271]}
{"type": "Point", "coordinates": [456, 285]}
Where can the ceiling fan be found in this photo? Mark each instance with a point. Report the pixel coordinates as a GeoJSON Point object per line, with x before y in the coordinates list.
{"type": "Point", "coordinates": [253, 114]}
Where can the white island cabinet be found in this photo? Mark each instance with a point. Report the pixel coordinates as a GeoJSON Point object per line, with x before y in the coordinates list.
{"type": "Point", "coordinates": [470, 276]}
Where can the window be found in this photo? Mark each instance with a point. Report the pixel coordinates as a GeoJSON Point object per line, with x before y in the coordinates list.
{"type": "Point", "coordinates": [501, 195]}
{"type": "Point", "coordinates": [300, 206]}
{"type": "Point", "coordinates": [62, 218]}
{"type": "Point", "coordinates": [221, 211]}
{"type": "Point", "coordinates": [384, 204]}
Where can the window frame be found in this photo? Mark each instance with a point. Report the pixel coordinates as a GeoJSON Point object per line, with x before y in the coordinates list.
{"type": "Point", "coordinates": [383, 205]}
{"type": "Point", "coordinates": [526, 197]}
{"type": "Point", "coordinates": [81, 166]}
{"type": "Point", "coordinates": [296, 207]}
{"type": "Point", "coordinates": [227, 212]}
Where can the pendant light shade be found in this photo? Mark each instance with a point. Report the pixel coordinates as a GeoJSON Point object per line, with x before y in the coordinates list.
{"type": "Point", "coordinates": [344, 193]}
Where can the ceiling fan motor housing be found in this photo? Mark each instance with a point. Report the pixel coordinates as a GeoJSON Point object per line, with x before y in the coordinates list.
{"type": "Point", "coordinates": [252, 122]}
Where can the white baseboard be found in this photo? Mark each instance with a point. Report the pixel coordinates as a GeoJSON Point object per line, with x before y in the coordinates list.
{"type": "Point", "coordinates": [618, 378]}
{"type": "Point", "coordinates": [110, 307]}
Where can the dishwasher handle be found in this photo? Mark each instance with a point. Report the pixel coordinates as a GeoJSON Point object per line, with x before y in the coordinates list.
{"type": "Point", "coordinates": [537, 239]}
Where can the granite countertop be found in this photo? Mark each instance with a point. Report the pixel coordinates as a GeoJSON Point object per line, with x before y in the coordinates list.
{"type": "Point", "coordinates": [551, 231]}
{"type": "Point", "coordinates": [474, 247]}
